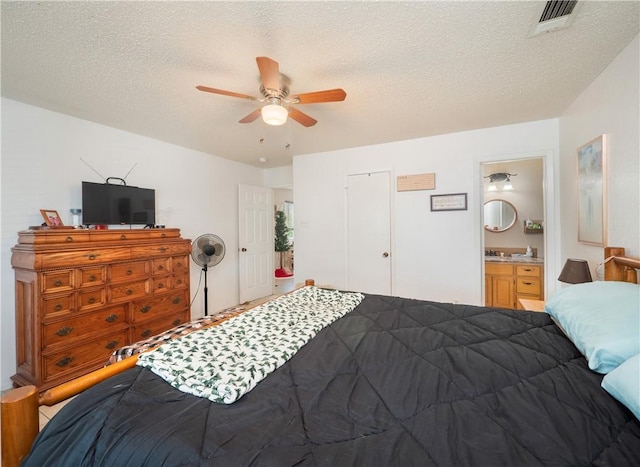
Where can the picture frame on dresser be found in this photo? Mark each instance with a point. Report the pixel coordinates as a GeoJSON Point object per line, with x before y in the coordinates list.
{"type": "Point", "coordinates": [592, 176]}
{"type": "Point", "coordinates": [51, 217]}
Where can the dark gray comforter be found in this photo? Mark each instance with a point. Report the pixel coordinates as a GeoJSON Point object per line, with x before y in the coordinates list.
{"type": "Point", "coordinates": [395, 382]}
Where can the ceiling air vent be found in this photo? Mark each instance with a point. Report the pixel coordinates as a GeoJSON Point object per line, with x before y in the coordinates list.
{"type": "Point", "coordinates": [555, 15]}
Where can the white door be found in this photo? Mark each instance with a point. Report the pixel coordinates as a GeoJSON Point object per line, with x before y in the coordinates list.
{"type": "Point", "coordinates": [255, 242]}
{"type": "Point", "coordinates": [369, 233]}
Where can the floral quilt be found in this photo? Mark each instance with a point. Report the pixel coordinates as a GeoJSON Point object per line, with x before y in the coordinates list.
{"type": "Point", "coordinates": [224, 362]}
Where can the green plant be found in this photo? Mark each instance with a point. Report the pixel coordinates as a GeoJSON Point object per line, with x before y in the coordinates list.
{"type": "Point", "coordinates": [281, 241]}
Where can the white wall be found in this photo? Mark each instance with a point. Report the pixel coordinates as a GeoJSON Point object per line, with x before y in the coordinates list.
{"type": "Point", "coordinates": [435, 255]}
{"type": "Point", "coordinates": [610, 105]}
{"type": "Point", "coordinates": [41, 168]}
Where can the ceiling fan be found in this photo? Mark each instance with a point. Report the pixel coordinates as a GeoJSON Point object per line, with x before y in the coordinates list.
{"type": "Point", "coordinates": [274, 91]}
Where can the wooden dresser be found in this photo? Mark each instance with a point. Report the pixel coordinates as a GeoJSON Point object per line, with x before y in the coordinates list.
{"type": "Point", "coordinates": [81, 294]}
{"type": "Point", "coordinates": [506, 283]}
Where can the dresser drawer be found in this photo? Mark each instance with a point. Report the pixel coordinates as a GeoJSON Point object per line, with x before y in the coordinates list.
{"type": "Point", "coordinates": [155, 307]}
{"type": "Point", "coordinates": [168, 249]}
{"type": "Point", "coordinates": [180, 264]}
{"type": "Point", "coordinates": [152, 328]}
{"type": "Point", "coordinates": [57, 281]}
{"type": "Point", "coordinates": [527, 270]}
{"type": "Point", "coordinates": [180, 280]}
{"type": "Point", "coordinates": [56, 305]}
{"type": "Point", "coordinates": [528, 285]}
{"type": "Point", "coordinates": [92, 352]}
{"type": "Point", "coordinates": [128, 271]}
{"type": "Point", "coordinates": [161, 266]}
{"type": "Point", "coordinates": [92, 276]}
{"type": "Point", "coordinates": [161, 284]}
{"type": "Point", "coordinates": [62, 332]}
{"type": "Point", "coordinates": [128, 290]}
{"type": "Point", "coordinates": [88, 299]}
{"type": "Point", "coordinates": [75, 258]}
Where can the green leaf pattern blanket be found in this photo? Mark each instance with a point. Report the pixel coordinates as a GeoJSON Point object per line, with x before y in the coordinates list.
{"type": "Point", "coordinates": [224, 362]}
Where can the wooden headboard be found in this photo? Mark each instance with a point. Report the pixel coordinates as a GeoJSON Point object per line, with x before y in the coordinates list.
{"type": "Point", "coordinates": [618, 267]}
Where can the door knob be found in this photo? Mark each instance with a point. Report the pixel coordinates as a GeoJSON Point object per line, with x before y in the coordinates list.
{"type": "Point", "coordinates": [385, 254]}
{"type": "Point", "coordinates": [243, 249]}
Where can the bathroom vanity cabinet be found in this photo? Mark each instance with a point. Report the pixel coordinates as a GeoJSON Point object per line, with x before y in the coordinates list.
{"type": "Point", "coordinates": [506, 282]}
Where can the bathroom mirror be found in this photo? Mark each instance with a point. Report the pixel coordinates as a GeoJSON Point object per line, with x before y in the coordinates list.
{"type": "Point", "coordinates": [499, 215]}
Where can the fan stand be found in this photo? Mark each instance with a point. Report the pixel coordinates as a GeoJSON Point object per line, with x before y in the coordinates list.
{"type": "Point", "coordinates": [206, 290]}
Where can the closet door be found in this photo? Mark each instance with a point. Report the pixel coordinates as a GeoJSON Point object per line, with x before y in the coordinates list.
{"type": "Point", "coordinates": [369, 233]}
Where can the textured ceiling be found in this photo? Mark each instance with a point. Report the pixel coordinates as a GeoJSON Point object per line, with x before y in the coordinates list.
{"type": "Point", "coordinates": [410, 69]}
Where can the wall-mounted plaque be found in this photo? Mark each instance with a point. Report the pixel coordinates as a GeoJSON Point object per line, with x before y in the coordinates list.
{"type": "Point", "coordinates": [416, 182]}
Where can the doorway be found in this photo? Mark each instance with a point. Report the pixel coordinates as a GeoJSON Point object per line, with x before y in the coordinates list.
{"type": "Point", "coordinates": [519, 186]}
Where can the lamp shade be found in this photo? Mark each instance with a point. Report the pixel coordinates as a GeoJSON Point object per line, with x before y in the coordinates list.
{"type": "Point", "coordinates": [274, 114]}
{"type": "Point", "coordinates": [575, 271]}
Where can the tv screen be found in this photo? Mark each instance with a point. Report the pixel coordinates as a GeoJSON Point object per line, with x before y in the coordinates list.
{"type": "Point", "coordinates": [104, 203]}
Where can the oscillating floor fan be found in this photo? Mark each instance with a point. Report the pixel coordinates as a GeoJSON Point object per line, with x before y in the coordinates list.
{"type": "Point", "coordinates": [207, 250]}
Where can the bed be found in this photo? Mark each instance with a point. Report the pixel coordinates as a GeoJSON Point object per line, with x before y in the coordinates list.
{"type": "Point", "coordinates": [395, 381]}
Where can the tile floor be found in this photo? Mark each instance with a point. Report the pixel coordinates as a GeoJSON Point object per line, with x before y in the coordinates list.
{"type": "Point", "coordinates": [281, 286]}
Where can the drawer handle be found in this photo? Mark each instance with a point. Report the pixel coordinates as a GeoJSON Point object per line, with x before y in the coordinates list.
{"type": "Point", "coordinates": [145, 309]}
{"type": "Point", "coordinates": [129, 291]}
{"type": "Point", "coordinates": [92, 278]}
{"type": "Point", "coordinates": [129, 272]}
{"type": "Point", "coordinates": [123, 237]}
{"type": "Point", "coordinates": [162, 249]}
{"type": "Point", "coordinates": [161, 285]}
{"type": "Point", "coordinates": [179, 281]}
{"type": "Point", "coordinates": [68, 239]}
{"type": "Point", "coordinates": [58, 307]}
{"type": "Point", "coordinates": [57, 283]}
{"type": "Point", "coordinates": [176, 322]}
{"type": "Point", "coordinates": [528, 269]}
{"type": "Point", "coordinates": [163, 235]}
{"type": "Point", "coordinates": [111, 318]}
{"type": "Point", "coordinates": [65, 331]}
{"type": "Point", "coordinates": [111, 345]}
{"type": "Point", "coordinates": [160, 267]}
{"type": "Point", "coordinates": [527, 283]}
{"type": "Point", "coordinates": [92, 300]}
{"type": "Point", "coordinates": [176, 300]}
{"type": "Point", "coordinates": [92, 256]}
{"type": "Point", "coordinates": [146, 333]}
{"type": "Point", "coordinates": [64, 361]}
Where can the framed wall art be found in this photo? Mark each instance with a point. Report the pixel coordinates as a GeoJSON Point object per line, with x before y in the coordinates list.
{"type": "Point", "coordinates": [451, 202]}
{"type": "Point", "coordinates": [592, 199]}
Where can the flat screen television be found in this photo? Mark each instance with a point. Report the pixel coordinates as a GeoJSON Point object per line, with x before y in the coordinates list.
{"type": "Point", "coordinates": [105, 203]}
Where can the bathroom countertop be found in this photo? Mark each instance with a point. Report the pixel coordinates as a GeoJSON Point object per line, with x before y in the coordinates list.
{"type": "Point", "coordinates": [513, 259]}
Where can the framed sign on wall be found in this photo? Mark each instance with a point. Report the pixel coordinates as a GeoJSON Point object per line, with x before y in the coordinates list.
{"type": "Point", "coordinates": [449, 202]}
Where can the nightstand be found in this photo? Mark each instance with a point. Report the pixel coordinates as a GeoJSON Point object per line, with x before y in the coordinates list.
{"type": "Point", "coordinates": [532, 305]}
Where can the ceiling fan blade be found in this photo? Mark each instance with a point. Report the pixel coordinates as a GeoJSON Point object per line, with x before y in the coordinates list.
{"type": "Point", "coordinates": [269, 73]}
{"type": "Point", "coordinates": [300, 117]}
{"type": "Point", "coordinates": [251, 117]}
{"type": "Point", "coordinates": [225, 93]}
{"type": "Point", "coordinates": [330, 95]}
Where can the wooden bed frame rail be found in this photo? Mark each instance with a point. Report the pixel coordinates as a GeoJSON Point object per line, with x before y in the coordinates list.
{"type": "Point", "coordinates": [20, 421]}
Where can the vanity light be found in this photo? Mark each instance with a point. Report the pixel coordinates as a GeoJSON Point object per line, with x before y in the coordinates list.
{"type": "Point", "coordinates": [274, 114]}
{"type": "Point", "coordinates": [500, 177]}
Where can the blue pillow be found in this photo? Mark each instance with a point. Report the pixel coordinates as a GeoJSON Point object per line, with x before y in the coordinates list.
{"type": "Point", "coordinates": [623, 383]}
{"type": "Point", "coordinates": [602, 319]}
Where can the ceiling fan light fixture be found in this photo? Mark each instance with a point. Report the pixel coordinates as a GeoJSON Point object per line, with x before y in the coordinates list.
{"type": "Point", "coordinates": [274, 114]}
